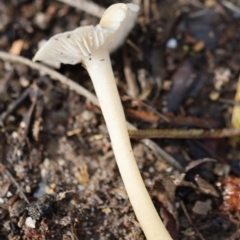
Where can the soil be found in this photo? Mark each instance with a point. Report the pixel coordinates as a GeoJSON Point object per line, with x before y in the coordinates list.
{"type": "Point", "coordinates": [178, 69]}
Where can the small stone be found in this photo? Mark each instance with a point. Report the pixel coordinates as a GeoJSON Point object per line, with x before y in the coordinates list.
{"type": "Point", "coordinates": [61, 162]}
{"type": "Point", "coordinates": [31, 223]}
{"type": "Point", "coordinates": [214, 95]}
{"type": "Point", "coordinates": [14, 135]}
{"type": "Point", "coordinates": [81, 188]}
{"type": "Point", "coordinates": [24, 82]}
{"type": "Point", "coordinates": [19, 153]}
{"type": "Point", "coordinates": [172, 43]}
{"type": "Point", "coordinates": [202, 208]}
{"type": "Point", "coordinates": [9, 194]}
{"type": "Point", "coordinates": [46, 163]}
{"type": "Point", "coordinates": [198, 46]}
{"type": "Point", "coordinates": [28, 189]}
{"type": "Point", "coordinates": [41, 20]}
{"type": "Point", "coordinates": [87, 115]}
{"type": "Point", "coordinates": [49, 190]}
{"type": "Point", "coordinates": [167, 84]}
{"type": "Point", "coordinates": [106, 210]}
{"type": "Point", "coordinates": [23, 125]}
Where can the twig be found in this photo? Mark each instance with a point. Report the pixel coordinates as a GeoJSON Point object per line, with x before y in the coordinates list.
{"type": "Point", "coordinates": [91, 97]}
{"type": "Point", "coordinates": [21, 193]}
{"type": "Point", "coordinates": [231, 6]}
{"type": "Point", "coordinates": [195, 163]}
{"type": "Point", "coordinates": [34, 96]}
{"type": "Point", "coordinates": [160, 115]}
{"type": "Point", "coordinates": [146, 10]}
{"type": "Point", "coordinates": [130, 77]}
{"type": "Point", "coordinates": [13, 105]}
{"type": "Point", "coordinates": [86, 6]}
{"type": "Point", "coordinates": [185, 133]}
{"type": "Point", "coordinates": [5, 85]}
{"type": "Point", "coordinates": [228, 101]}
{"type": "Point", "coordinates": [236, 109]}
{"type": "Point", "coordinates": [222, 11]}
{"type": "Point", "coordinates": [190, 220]}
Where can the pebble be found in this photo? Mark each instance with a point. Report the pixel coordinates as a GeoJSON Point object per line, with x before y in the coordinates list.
{"type": "Point", "coordinates": [30, 222]}
{"type": "Point", "coordinates": [14, 135]}
{"type": "Point", "coordinates": [40, 20]}
{"type": "Point", "coordinates": [9, 194]}
{"type": "Point", "coordinates": [202, 208]}
{"type": "Point", "coordinates": [172, 43]}
{"type": "Point", "coordinates": [24, 81]}
{"type": "Point", "coordinates": [214, 95]}
{"type": "Point", "coordinates": [199, 46]}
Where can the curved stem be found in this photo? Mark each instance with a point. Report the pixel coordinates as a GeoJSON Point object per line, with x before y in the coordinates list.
{"type": "Point", "coordinates": [100, 71]}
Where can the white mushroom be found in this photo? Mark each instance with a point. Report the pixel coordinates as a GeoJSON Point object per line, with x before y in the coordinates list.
{"type": "Point", "coordinates": [91, 46]}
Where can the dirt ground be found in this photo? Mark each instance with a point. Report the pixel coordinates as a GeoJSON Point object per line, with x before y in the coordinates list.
{"type": "Point", "coordinates": [177, 72]}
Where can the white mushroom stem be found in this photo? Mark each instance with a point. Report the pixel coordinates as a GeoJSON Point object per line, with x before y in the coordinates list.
{"type": "Point", "coordinates": [91, 46]}
{"type": "Point", "coordinates": [100, 71]}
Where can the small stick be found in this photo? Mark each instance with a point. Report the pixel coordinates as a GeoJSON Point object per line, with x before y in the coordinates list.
{"type": "Point", "coordinates": [228, 101]}
{"type": "Point", "coordinates": [190, 220]}
{"type": "Point", "coordinates": [13, 105]}
{"type": "Point", "coordinates": [130, 77]}
{"type": "Point", "coordinates": [9, 76]}
{"type": "Point", "coordinates": [184, 133]}
{"type": "Point", "coordinates": [28, 119]}
{"type": "Point", "coordinates": [86, 6]}
{"type": "Point", "coordinates": [231, 6]}
{"type": "Point", "coordinates": [146, 9]}
{"type": "Point", "coordinates": [17, 186]}
{"type": "Point", "coordinates": [236, 109]}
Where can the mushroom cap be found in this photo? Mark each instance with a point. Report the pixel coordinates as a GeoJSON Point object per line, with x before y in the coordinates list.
{"type": "Point", "coordinates": [75, 46]}
{"type": "Point", "coordinates": [120, 19]}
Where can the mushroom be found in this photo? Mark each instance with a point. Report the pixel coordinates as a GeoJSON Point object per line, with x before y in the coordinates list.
{"type": "Point", "coordinates": [91, 45]}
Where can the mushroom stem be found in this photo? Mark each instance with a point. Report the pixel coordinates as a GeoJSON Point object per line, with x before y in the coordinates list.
{"type": "Point", "coordinates": [101, 73]}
